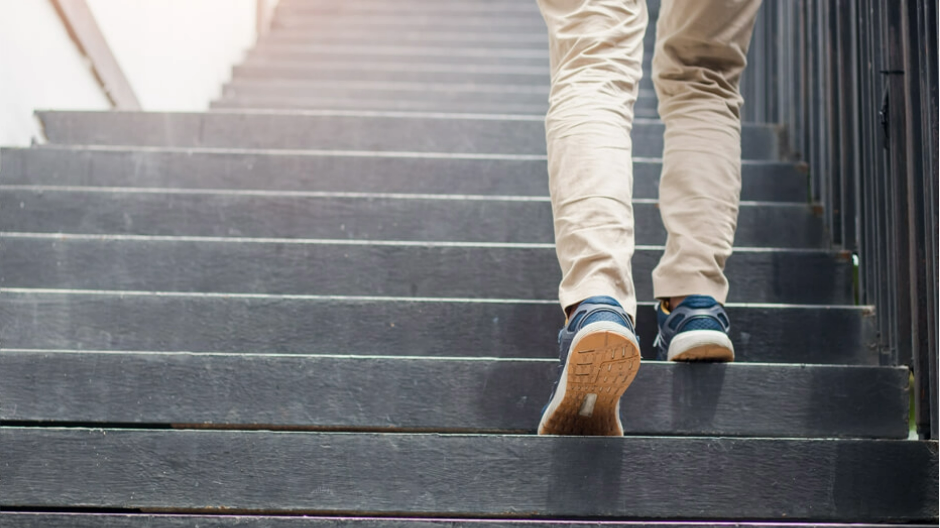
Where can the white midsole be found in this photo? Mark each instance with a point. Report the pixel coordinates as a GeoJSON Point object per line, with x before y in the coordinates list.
{"type": "Point", "coordinates": [686, 341]}
{"type": "Point", "coordinates": [601, 326]}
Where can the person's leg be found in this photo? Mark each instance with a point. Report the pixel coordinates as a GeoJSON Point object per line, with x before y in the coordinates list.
{"type": "Point", "coordinates": [596, 49]}
{"type": "Point", "coordinates": [700, 53]}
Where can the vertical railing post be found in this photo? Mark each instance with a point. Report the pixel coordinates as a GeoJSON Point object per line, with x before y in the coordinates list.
{"type": "Point", "coordinates": [857, 92]}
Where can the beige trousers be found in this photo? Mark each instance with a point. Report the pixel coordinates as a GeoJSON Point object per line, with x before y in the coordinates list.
{"type": "Point", "coordinates": [596, 49]}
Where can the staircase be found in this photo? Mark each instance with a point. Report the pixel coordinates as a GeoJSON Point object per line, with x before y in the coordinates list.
{"type": "Point", "coordinates": [331, 301]}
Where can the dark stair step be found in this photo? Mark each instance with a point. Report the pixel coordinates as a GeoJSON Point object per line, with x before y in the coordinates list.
{"type": "Point", "coordinates": [377, 70]}
{"type": "Point", "coordinates": [381, 103]}
{"type": "Point", "coordinates": [166, 321]}
{"type": "Point", "coordinates": [336, 267]}
{"type": "Point", "coordinates": [312, 53]}
{"type": "Point", "coordinates": [440, 394]}
{"type": "Point", "coordinates": [495, 22]}
{"type": "Point", "coordinates": [353, 216]}
{"type": "Point", "coordinates": [451, 92]}
{"type": "Point", "coordinates": [279, 170]}
{"type": "Point", "coordinates": [319, 8]}
{"type": "Point", "coordinates": [437, 97]}
{"type": "Point", "coordinates": [25, 519]}
{"type": "Point", "coordinates": [453, 133]}
{"type": "Point", "coordinates": [399, 53]}
{"type": "Point", "coordinates": [471, 475]}
{"type": "Point", "coordinates": [425, 97]}
{"type": "Point", "coordinates": [532, 41]}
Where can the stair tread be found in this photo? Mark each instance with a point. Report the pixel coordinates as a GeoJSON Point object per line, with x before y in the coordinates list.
{"type": "Point", "coordinates": [174, 520]}
{"type": "Point", "coordinates": [340, 171]}
{"type": "Point", "coordinates": [383, 71]}
{"type": "Point", "coordinates": [391, 268]}
{"type": "Point", "coordinates": [126, 320]}
{"type": "Point", "coordinates": [455, 133]}
{"type": "Point", "coordinates": [352, 216]}
{"type": "Point", "coordinates": [748, 479]}
{"type": "Point", "coordinates": [380, 392]}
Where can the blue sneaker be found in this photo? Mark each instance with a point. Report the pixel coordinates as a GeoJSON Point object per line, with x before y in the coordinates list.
{"type": "Point", "coordinates": [696, 330]}
{"type": "Point", "coordinates": [600, 356]}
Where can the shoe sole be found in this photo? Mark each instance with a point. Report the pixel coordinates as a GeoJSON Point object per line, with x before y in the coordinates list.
{"type": "Point", "coordinates": [701, 345]}
{"type": "Point", "coordinates": [600, 367]}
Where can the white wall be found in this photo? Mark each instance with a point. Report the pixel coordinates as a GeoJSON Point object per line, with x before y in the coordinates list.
{"type": "Point", "coordinates": [40, 67]}
{"type": "Point", "coordinates": [176, 55]}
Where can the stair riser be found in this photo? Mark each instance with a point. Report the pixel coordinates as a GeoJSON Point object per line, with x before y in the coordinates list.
{"type": "Point", "coordinates": [429, 394]}
{"type": "Point", "coordinates": [396, 132]}
{"type": "Point", "coordinates": [370, 269]}
{"type": "Point", "coordinates": [373, 218]}
{"type": "Point", "coordinates": [471, 475]}
{"type": "Point", "coordinates": [817, 335]}
{"type": "Point", "coordinates": [764, 181]}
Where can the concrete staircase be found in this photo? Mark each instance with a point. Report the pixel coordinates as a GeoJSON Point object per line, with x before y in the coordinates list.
{"type": "Point", "coordinates": [331, 301]}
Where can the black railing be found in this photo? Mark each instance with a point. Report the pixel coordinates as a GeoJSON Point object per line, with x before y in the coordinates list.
{"type": "Point", "coordinates": [854, 82]}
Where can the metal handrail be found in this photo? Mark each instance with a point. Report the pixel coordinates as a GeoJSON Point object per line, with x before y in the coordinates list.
{"type": "Point", "coordinates": [854, 82]}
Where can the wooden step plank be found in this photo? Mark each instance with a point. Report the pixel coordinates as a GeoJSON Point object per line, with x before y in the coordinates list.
{"type": "Point", "coordinates": [312, 52]}
{"type": "Point", "coordinates": [497, 22]}
{"type": "Point", "coordinates": [457, 218]}
{"type": "Point", "coordinates": [441, 92]}
{"type": "Point", "coordinates": [340, 172]}
{"type": "Point", "coordinates": [508, 476]}
{"type": "Point", "coordinates": [399, 53]}
{"type": "Point", "coordinates": [440, 394]}
{"type": "Point", "coordinates": [280, 102]}
{"type": "Point", "coordinates": [165, 321]}
{"type": "Point", "coordinates": [261, 96]}
{"type": "Point", "coordinates": [535, 40]}
{"type": "Point", "coordinates": [372, 7]}
{"type": "Point", "coordinates": [383, 71]}
{"type": "Point", "coordinates": [455, 133]}
{"type": "Point", "coordinates": [26, 519]}
{"type": "Point", "coordinates": [419, 269]}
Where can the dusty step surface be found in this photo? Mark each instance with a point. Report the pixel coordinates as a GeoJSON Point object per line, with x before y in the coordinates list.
{"type": "Point", "coordinates": [455, 133]}
{"type": "Point", "coordinates": [536, 41]}
{"type": "Point", "coordinates": [378, 70]}
{"type": "Point", "coordinates": [404, 92]}
{"type": "Point", "coordinates": [353, 216]}
{"type": "Point", "coordinates": [399, 53]}
{"type": "Point", "coordinates": [251, 102]}
{"type": "Point", "coordinates": [168, 321]}
{"type": "Point", "coordinates": [503, 21]}
{"type": "Point", "coordinates": [341, 171]}
{"type": "Point", "coordinates": [388, 268]}
{"type": "Point", "coordinates": [472, 475]}
{"type": "Point", "coordinates": [378, 392]}
{"type": "Point", "coordinates": [92, 520]}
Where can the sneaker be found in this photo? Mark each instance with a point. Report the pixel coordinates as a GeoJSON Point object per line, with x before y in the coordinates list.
{"type": "Point", "coordinates": [600, 356]}
{"type": "Point", "coordinates": [696, 330]}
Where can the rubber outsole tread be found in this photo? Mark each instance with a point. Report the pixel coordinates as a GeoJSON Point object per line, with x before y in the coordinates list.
{"type": "Point", "coordinates": [600, 368]}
